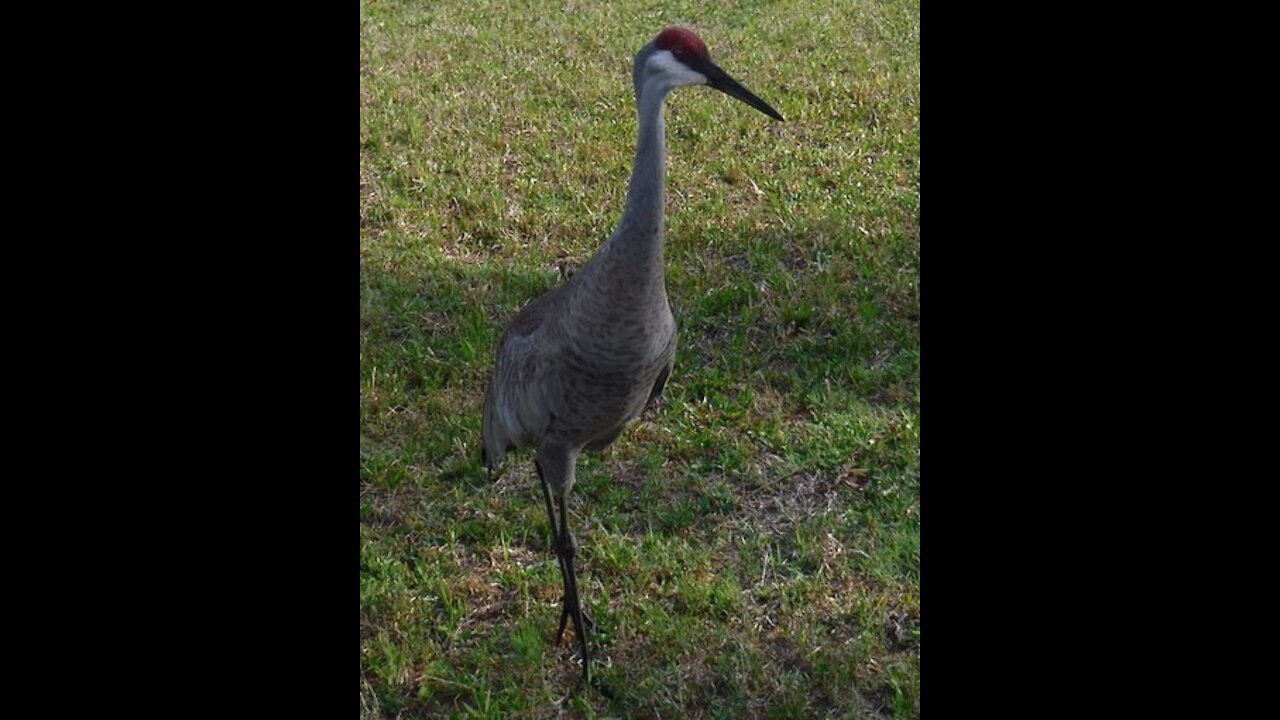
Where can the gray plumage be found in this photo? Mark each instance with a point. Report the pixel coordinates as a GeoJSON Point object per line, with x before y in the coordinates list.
{"type": "Point", "coordinates": [579, 362]}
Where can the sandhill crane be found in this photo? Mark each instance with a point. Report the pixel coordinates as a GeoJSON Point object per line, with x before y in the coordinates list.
{"type": "Point", "coordinates": [580, 361]}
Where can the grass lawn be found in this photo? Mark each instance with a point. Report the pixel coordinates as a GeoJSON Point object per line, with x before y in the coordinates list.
{"type": "Point", "coordinates": [749, 548]}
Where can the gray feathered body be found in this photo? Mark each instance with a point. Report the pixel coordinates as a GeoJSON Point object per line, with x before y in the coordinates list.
{"type": "Point", "coordinates": [579, 362]}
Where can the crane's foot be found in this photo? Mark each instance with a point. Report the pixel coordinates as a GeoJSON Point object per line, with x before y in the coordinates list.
{"type": "Point", "coordinates": [603, 689]}
{"type": "Point", "coordinates": [579, 627]}
{"type": "Point", "coordinates": [571, 608]}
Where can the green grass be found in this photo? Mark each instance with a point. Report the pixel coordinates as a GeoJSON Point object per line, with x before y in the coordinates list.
{"type": "Point", "coordinates": [751, 548]}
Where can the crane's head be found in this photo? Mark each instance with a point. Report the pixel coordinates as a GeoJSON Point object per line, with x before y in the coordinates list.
{"type": "Point", "coordinates": [679, 57]}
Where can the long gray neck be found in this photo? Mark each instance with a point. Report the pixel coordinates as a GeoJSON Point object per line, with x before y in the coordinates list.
{"type": "Point", "coordinates": [627, 272]}
{"type": "Point", "coordinates": [642, 219]}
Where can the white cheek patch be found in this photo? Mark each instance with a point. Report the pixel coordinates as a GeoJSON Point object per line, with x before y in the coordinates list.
{"type": "Point", "coordinates": [675, 70]}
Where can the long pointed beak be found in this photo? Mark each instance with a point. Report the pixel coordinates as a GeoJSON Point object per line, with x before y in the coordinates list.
{"type": "Point", "coordinates": [720, 80]}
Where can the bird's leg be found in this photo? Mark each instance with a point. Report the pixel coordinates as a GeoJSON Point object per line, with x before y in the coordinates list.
{"type": "Point", "coordinates": [560, 555]}
{"type": "Point", "coordinates": [555, 543]}
{"type": "Point", "coordinates": [566, 548]}
{"type": "Point", "coordinates": [570, 552]}
{"type": "Point", "coordinates": [573, 606]}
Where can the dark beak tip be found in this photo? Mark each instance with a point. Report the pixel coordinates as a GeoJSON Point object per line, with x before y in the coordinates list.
{"type": "Point", "coordinates": [722, 81]}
